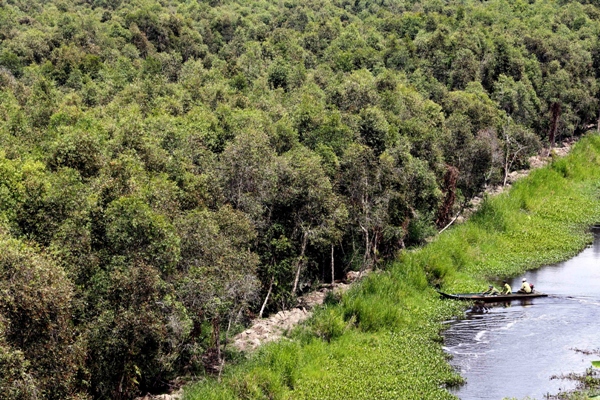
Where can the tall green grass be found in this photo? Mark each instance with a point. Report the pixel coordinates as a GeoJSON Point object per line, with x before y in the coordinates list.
{"type": "Point", "coordinates": [381, 340]}
{"type": "Point", "coordinates": [543, 219]}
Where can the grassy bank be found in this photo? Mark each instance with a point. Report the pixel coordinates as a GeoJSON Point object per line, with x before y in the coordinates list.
{"type": "Point", "coordinates": [381, 340]}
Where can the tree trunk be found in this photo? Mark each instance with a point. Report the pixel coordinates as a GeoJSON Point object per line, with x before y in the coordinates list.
{"type": "Point", "coordinates": [555, 109]}
{"type": "Point", "coordinates": [216, 324]}
{"type": "Point", "coordinates": [332, 268]}
{"type": "Point", "coordinates": [262, 309]}
{"type": "Point", "coordinates": [367, 249]}
{"type": "Point", "coordinates": [374, 249]}
{"type": "Point", "coordinates": [509, 163]}
{"type": "Point", "coordinates": [222, 362]}
{"type": "Point", "coordinates": [450, 180]}
{"type": "Point", "coordinates": [598, 127]}
{"type": "Point", "coordinates": [299, 263]}
{"type": "Point", "coordinates": [506, 167]}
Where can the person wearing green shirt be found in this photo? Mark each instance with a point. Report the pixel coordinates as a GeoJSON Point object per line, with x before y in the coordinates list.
{"type": "Point", "coordinates": [491, 291]}
{"type": "Point", "coordinates": [506, 289]}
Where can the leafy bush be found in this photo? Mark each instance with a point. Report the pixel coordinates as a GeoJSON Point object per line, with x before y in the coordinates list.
{"type": "Point", "coordinates": [35, 314]}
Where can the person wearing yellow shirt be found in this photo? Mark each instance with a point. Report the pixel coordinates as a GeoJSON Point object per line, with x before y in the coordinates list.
{"type": "Point", "coordinates": [506, 289]}
{"type": "Point", "coordinates": [525, 287]}
{"type": "Point", "coordinates": [491, 291]}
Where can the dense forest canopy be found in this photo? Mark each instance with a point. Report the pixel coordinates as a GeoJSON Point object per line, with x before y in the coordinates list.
{"type": "Point", "coordinates": [170, 167]}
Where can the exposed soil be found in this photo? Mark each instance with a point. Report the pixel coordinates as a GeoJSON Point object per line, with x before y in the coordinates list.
{"type": "Point", "coordinates": [178, 395]}
{"type": "Point", "coordinates": [274, 327]}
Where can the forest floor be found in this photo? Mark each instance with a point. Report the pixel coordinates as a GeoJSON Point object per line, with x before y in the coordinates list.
{"type": "Point", "coordinates": [264, 330]}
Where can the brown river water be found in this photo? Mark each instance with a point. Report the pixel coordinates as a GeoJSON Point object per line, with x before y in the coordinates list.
{"type": "Point", "coordinates": [513, 350]}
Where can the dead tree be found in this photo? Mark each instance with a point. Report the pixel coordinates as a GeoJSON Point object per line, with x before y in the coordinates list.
{"type": "Point", "coordinates": [300, 261]}
{"type": "Point", "coordinates": [450, 180]}
{"type": "Point", "coordinates": [555, 109]}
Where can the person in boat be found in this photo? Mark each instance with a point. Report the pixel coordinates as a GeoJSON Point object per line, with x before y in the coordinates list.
{"type": "Point", "coordinates": [491, 291]}
{"type": "Point", "coordinates": [525, 287]}
{"type": "Point", "coordinates": [506, 289]}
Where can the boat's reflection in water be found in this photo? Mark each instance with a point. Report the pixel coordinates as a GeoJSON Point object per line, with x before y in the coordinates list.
{"type": "Point", "coordinates": [479, 307]}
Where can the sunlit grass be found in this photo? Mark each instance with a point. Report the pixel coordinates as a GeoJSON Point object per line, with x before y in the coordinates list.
{"type": "Point", "coordinates": [381, 339]}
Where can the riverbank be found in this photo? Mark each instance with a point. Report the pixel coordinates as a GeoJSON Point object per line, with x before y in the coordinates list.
{"type": "Point", "coordinates": [556, 334]}
{"type": "Point", "coordinates": [381, 339]}
{"type": "Point", "coordinates": [264, 330]}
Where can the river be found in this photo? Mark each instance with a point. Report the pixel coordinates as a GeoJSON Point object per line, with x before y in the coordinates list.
{"type": "Point", "coordinates": [513, 351]}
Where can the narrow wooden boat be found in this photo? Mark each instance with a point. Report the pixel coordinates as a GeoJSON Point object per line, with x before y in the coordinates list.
{"type": "Point", "coordinates": [486, 298]}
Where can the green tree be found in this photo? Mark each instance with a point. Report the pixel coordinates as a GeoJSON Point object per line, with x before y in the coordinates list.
{"type": "Point", "coordinates": [137, 233]}
{"type": "Point", "coordinates": [132, 343]}
{"type": "Point", "coordinates": [248, 174]}
{"type": "Point", "coordinates": [35, 311]}
{"type": "Point", "coordinates": [217, 281]}
{"type": "Point", "coordinates": [307, 207]}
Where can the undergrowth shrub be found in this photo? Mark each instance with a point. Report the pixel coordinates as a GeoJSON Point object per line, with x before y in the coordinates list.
{"type": "Point", "coordinates": [210, 389]}
{"type": "Point", "coordinates": [419, 229]}
{"type": "Point", "coordinates": [260, 383]}
{"type": "Point", "coordinates": [329, 323]}
{"type": "Point", "coordinates": [332, 298]}
{"type": "Point", "coordinates": [284, 359]}
{"type": "Point", "coordinates": [35, 315]}
{"type": "Point", "coordinates": [490, 216]}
